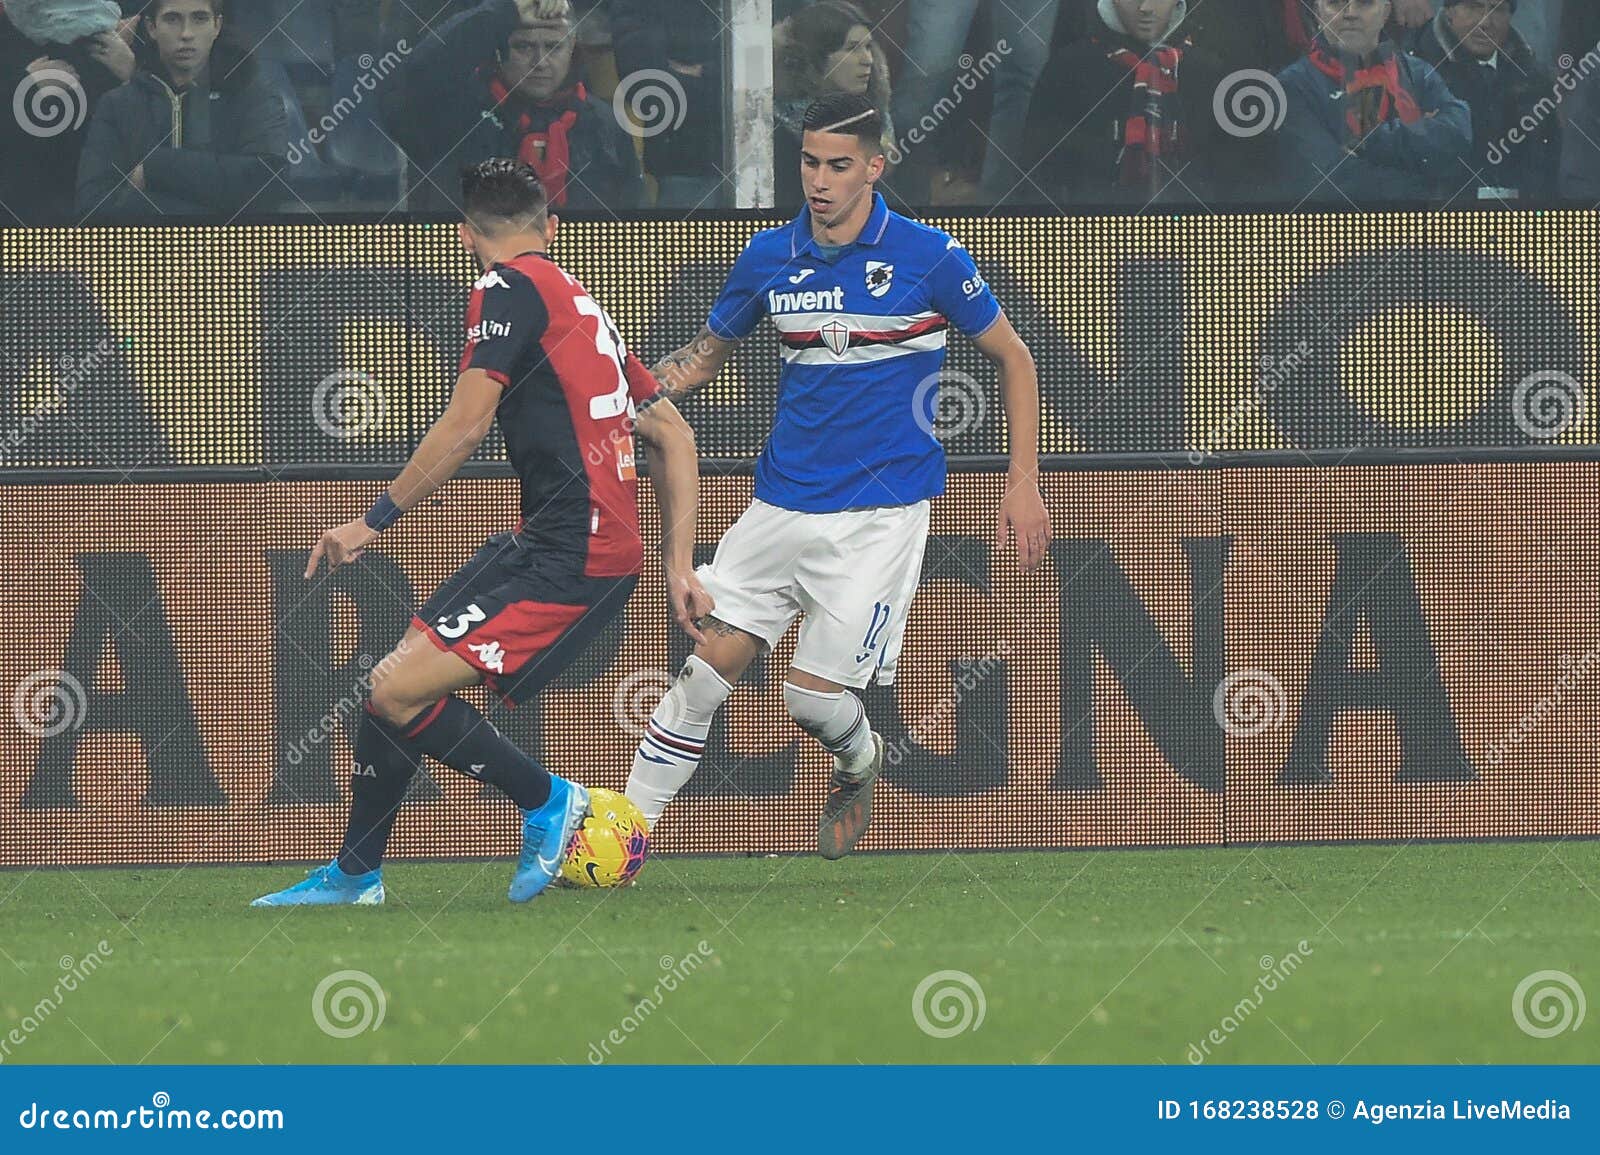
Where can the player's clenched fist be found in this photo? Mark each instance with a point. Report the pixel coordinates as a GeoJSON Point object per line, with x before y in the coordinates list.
{"type": "Point", "coordinates": [341, 544]}
{"type": "Point", "coordinates": [531, 10]}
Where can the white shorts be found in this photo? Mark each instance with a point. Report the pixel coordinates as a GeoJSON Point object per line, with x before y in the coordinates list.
{"type": "Point", "coordinates": [853, 574]}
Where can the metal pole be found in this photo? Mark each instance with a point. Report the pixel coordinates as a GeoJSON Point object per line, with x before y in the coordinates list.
{"type": "Point", "coordinates": [748, 48]}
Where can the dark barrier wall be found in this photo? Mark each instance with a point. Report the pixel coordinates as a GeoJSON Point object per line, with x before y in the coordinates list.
{"type": "Point", "coordinates": [269, 345]}
{"type": "Point", "coordinates": [1210, 656]}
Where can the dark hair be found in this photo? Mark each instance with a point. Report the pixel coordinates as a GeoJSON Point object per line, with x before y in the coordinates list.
{"type": "Point", "coordinates": [819, 30]}
{"type": "Point", "coordinates": [847, 113]}
{"type": "Point", "coordinates": [501, 190]}
{"type": "Point", "coordinates": [152, 7]}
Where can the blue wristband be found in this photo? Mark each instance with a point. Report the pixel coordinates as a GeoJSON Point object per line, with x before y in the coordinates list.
{"type": "Point", "coordinates": [384, 513]}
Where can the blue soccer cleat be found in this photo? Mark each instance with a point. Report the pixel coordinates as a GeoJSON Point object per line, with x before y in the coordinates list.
{"type": "Point", "coordinates": [330, 886]}
{"type": "Point", "coordinates": [545, 835]}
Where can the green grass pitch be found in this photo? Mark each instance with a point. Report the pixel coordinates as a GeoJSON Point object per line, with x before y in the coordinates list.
{"type": "Point", "coordinates": [1413, 954]}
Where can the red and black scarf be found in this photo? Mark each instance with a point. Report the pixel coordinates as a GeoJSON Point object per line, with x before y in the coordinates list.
{"type": "Point", "coordinates": [1151, 130]}
{"type": "Point", "coordinates": [1376, 93]}
{"type": "Point", "coordinates": [1296, 27]}
{"type": "Point", "coordinates": [546, 150]}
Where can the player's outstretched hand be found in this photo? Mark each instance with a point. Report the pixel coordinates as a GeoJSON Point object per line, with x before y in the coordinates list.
{"type": "Point", "coordinates": [341, 544]}
{"type": "Point", "coordinates": [1023, 511]}
{"type": "Point", "coordinates": [689, 601]}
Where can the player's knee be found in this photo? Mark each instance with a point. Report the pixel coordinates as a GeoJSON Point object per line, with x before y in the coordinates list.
{"type": "Point", "coordinates": [697, 694]}
{"type": "Point", "coordinates": [391, 704]}
{"type": "Point", "coordinates": [814, 711]}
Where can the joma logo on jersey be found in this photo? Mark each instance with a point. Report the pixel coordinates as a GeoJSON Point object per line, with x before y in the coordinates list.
{"type": "Point", "coordinates": [487, 330]}
{"type": "Point", "coordinates": [812, 301]}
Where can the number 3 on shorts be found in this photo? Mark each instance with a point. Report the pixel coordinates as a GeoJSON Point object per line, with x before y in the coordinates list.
{"type": "Point", "coordinates": [463, 620]}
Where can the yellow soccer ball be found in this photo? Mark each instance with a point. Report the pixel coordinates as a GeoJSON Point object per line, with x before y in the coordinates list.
{"type": "Point", "coordinates": [610, 845]}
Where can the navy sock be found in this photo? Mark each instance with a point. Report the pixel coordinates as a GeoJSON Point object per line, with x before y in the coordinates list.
{"type": "Point", "coordinates": [385, 763]}
{"type": "Point", "coordinates": [458, 735]}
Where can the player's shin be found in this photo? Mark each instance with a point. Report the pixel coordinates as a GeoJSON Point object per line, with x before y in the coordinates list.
{"type": "Point", "coordinates": [675, 738]}
{"type": "Point", "coordinates": [385, 762]}
{"type": "Point", "coordinates": [457, 734]}
{"type": "Point", "coordinates": [838, 720]}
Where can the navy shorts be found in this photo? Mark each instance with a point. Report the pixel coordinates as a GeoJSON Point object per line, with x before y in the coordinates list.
{"type": "Point", "coordinates": [520, 615]}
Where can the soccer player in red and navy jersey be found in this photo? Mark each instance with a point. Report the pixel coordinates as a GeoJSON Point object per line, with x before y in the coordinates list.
{"type": "Point", "coordinates": [544, 359]}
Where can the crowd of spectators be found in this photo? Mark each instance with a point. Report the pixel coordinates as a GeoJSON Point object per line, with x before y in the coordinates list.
{"type": "Point", "coordinates": [139, 109]}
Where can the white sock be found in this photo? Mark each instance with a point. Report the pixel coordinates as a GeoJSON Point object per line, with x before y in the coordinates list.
{"type": "Point", "coordinates": [838, 720]}
{"type": "Point", "coordinates": [676, 738]}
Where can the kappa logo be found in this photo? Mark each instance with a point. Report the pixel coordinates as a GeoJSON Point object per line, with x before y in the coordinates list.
{"type": "Point", "coordinates": [879, 277]}
{"type": "Point", "coordinates": [800, 276]}
{"type": "Point", "coordinates": [835, 335]}
{"type": "Point", "coordinates": [491, 655]}
{"type": "Point", "coordinates": [490, 280]}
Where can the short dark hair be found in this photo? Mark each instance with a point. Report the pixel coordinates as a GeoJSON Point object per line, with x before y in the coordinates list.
{"type": "Point", "coordinates": [847, 113]}
{"type": "Point", "coordinates": [501, 191]}
{"type": "Point", "coordinates": [153, 8]}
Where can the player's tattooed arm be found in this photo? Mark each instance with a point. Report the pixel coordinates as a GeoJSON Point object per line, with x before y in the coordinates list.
{"type": "Point", "coordinates": [683, 371]}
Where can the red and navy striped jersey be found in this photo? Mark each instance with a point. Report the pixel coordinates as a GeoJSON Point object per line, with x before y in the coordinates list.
{"type": "Point", "coordinates": [566, 411]}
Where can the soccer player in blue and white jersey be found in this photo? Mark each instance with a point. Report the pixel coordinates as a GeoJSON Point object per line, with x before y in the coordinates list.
{"type": "Point", "coordinates": [862, 299]}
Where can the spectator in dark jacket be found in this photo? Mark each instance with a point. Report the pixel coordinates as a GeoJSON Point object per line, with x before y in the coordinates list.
{"type": "Point", "coordinates": [687, 160]}
{"type": "Point", "coordinates": [1365, 123]}
{"type": "Point", "coordinates": [497, 80]}
{"type": "Point", "coordinates": [1487, 63]}
{"type": "Point", "coordinates": [56, 61]}
{"type": "Point", "coordinates": [193, 132]}
{"type": "Point", "coordinates": [1125, 116]}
